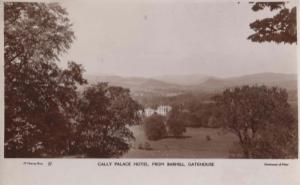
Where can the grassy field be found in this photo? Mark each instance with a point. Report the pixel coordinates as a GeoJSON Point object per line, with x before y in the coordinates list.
{"type": "Point", "coordinates": [194, 144]}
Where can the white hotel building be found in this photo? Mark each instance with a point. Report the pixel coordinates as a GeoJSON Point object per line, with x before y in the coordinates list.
{"type": "Point", "coordinates": [161, 110]}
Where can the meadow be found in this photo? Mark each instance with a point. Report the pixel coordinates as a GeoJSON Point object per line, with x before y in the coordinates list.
{"type": "Point", "coordinates": [195, 143]}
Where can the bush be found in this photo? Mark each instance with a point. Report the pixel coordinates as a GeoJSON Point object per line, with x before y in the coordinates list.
{"type": "Point", "coordinates": [147, 146]}
{"type": "Point", "coordinates": [208, 138]}
{"type": "Point", "coordinates": [141, 147]}
{"type": "Point", "coordinates": [154, 127]}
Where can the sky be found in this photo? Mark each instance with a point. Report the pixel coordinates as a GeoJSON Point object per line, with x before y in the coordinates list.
{"type": "Point", "coordinates": [172, 38]}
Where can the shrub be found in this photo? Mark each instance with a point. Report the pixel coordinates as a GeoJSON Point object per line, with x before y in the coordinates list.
{"type": "Point", "coordinates": [208, 138]}
{"type": "Point", "coordinates": [147, 146]}
{"type": "Point", "coordinates": [141, 147]}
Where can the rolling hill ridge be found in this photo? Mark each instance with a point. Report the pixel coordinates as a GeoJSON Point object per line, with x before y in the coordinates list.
{"type": "Point", "coordinates": [179, 84]}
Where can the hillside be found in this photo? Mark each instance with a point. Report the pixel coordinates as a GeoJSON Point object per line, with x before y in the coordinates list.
{"type": "Point", "coordinates": [186, 80]}
{"type": "Point", "coordinates": [168, 85]}
{"type": "Point", "coordinates": [138, 84]}
{"type": "Point", "coordinates": [288, 81]}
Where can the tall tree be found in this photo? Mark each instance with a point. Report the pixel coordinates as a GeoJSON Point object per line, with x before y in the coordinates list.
{"type": "Point", "coordinates": [154, 127]}
{"type": "Point", "coordinates": [175, 123]}
{"type": "Point", "coordinates": [105, 113]}
{"type": "Point", "coordinates": [282, 27]}
{"type": "Point", "coordinates": [39, 96]}
{"type": "Point", "coordinates": [262, 119]}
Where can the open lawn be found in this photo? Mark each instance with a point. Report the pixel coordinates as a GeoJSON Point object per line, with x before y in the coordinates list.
{"type": "Point", "coordinates": [194, 144]}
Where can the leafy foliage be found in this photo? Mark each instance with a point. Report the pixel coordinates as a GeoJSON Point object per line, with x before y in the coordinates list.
{"type": "Point", "coordinates": [280, 28]}
{"type": "Point", "coordinates": [175, 123]}
{"type": "Point", "coordinates": [36, 89]}
{"type": "Point", "coordinates": [35, 31]}
{"type": "Point", "coordinates": [272, 5]}
{"type": "Point", "coordinates": [45, 116]}
{"type": "Point", "coordinates": [104, 114]}
{"type": "Point", "coordinates": [154, 127]}
{"type": "Point", "coordinates": [262, 119]}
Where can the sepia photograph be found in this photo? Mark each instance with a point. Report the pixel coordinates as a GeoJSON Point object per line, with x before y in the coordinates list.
{"type": "Point", "coordinates": [181, 80]}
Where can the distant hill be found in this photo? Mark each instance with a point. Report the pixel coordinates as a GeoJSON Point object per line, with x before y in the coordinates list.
{"type": "Point", "coordinates": [136, 84]}
{"type": "Point", "coordinates": [176, 84]}
{"type": "Point", "coordinates": [186, 80]}
{"type": "Point", "coordinates": [288, 81]}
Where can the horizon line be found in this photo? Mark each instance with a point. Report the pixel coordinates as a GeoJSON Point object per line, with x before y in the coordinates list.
{"type": "Point", "coordinates": [192, 74]}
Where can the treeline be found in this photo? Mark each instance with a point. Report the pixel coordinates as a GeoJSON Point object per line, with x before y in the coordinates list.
{"type": "Point", "coordinates": [154, 100]}
{"type": "Point", "coordinates": [45, 114]}
{"type": "Point", "coordinates": [200, 115]}
{"type": "Point", "coordinates": [198, 109]}
{"type": "Point", "coordinates": [194, 109]}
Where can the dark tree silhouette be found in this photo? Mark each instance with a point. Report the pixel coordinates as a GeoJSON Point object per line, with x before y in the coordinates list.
{"type": "Point", "coordinates": [280, 28]}
{"type": "Point", "coordinates": [39, 96]}
{"type": "Point", "coordinates": [45, 115]}
{"type": "Point", "coordinates": [262, 119]}
{"type": "Point", "coordinates": [104, 116]}
{"type": "Point", "coordinates": [154, 127]}
{"type": "Point", "coordinates": [175, 123]}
